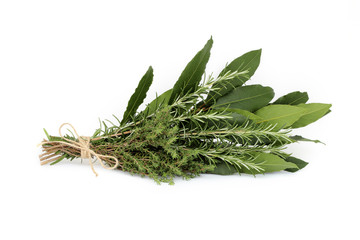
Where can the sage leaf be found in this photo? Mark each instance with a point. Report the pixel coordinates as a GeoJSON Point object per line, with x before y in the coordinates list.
{"type": "Point", "coordinates": [249, 98]}
{"type": "Point", "coordinates": [280, 115]}
{"type": "Point", "coordinates": [313, 112]}
{"type": "Point", "coordinates": [247, 62]}
{"type": "Point", "coordinates": [298, 162]}
{"type": "Point", "coordinates": [138, 96]}
{"type": "Point", "coordinates": [192, 74]}
{"type": "Point", "coordinates": [293, 98]}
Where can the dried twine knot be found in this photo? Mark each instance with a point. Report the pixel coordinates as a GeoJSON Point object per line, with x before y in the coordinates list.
{"type": "Point", "coordinates": [83, 145]}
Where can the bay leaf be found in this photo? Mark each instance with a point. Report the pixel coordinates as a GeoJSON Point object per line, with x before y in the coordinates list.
{"type": "Point", "coordinates": [313, 112]}
{"type": "Point", "coordinates": [192, 74]}
{"type": "Point", "coordinates": [270, 163]}
{"type": "Point", "coordinates": [300, 138]}
{"type": "Point", "coordinates": [293, 98]}
{"type": "Point", "coordinates": [247, 114]}
{"type": "Point", "coordinates": [267, 161]}
{"type": "Point", "coordinates": [249, 98]}
{"type": "Point", "coordinates": [280, 115]}
{"type": "Point", "coordinates": [239, 116]}
{"type": "Point", "coordinates": [224, 169]}
{"type": "Point", "coordinates": [247, 62]}
{"type": "Point", "coordinates": [298, 162]}
{"type": "Point", "coordinates": [138, 96]}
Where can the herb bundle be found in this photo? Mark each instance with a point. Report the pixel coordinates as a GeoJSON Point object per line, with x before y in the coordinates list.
{"type": "Point", "coordinates": [203, 124]}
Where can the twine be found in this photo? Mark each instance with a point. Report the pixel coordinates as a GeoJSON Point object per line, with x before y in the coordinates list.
{"type": "Point", "coordinates": [83, 145]}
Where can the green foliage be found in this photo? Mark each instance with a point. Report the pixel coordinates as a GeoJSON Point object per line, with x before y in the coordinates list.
{"type": "Point", "coordinates": [224, 169]}
{"type": "Point", "coordinates": [158, 102]}
{"type": "Point", "coordinates": [239, 116]}
{"type": "Point", "coordinates": [299, 138]}
{"type": "Point", "coordinates": [215, 126]}
{"type": "Point", "coordinates": [191, 76]}
{"type": "Point", "coordinates": [282, 116]}
{"type": "Point", "coordinates": [298, 162]}
{"type": "Point", "coordinates": [247, 64]}
{"type": "Point", "coordinates": [271, 163]}
{"type": "Point", "coordinates": [293, 98]}
{"type": "Point", "coordinates": [139, 95]}
{"type": "Point", "coordinates": [250, 98]}
{"type": "Point", "coordinates": [313, 111]}
{"type": "Point", "coordinates": [267, 162]}
{"type": "Point", "coordinates": [151, 150]}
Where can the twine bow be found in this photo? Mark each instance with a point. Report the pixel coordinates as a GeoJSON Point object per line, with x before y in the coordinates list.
{"type": "Point", "coordinates": [83, 145]}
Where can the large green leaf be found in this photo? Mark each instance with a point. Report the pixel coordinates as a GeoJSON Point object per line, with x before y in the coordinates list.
{"type": "Point", "coordinates": [192, 74]}
{"type": "Point", "coordinates": [250, 98]}
{"type": "Point", "coordinates": [313, 111]}
{"type": "Point", "coordinates": [138, 96]}
{"type": "Point", "coordinates": [270, 163]}
{"type": "Point", "coordinates": [293, 98]}
{"type": "Point", "coordinates": [248, 62]}
{"type": "Point", "coordinates": [281, 115]}
{"type": "Point", "coordinates": [224, 169]}
{"type": "Point", "coordinates": [161, 100]}
{"type": "Point", "coordinates": [298, 162]}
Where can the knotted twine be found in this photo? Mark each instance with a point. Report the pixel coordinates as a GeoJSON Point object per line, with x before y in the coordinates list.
{"type": "Point", "coordinates": [83, 145]}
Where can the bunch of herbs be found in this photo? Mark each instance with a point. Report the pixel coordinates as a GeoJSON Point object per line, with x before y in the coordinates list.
{"type": "Point", "coordinates": [215, 125]}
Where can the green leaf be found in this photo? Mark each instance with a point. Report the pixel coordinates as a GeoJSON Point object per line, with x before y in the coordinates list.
{"type": "Point", "coordinates": [223, 169]}
{"type": "Point", "coordinates": [298, 162]}
{"type": "Point", "coordinates": [249, 98]}
{"type": "Point", "coordinates": [293, 98]}
{"type": "Point", "coordinates": [270, 163]}
{"type": "Point", "coordinates": [138, 96]}
{"type": "Point", "coordinates": [313, 112]}
{"type": "Point", "coordinates": [191, 76]}
{"type": "Point", "coordinates": [248, 62]}
{"type": "Point", "coordinates": [281, 115]}
{"type": "Point", "coordinates": [267, 161]}
{"type": "Point", "coordinates": [247, 114]}
{"type": "Point", "coordinates": [161, 100]}
{"type": "Point", "coordinates": [240, 116]}
{"type": "Point", "coordinates": [300, 138]}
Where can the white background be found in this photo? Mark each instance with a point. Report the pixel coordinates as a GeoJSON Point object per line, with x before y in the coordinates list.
{"type": "Point", "coordinates": [75, 61]}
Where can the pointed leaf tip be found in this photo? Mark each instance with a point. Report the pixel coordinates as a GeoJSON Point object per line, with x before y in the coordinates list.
{"type": "Point", "coordinates": [192, 74]}
{"type": "Point", "coordinates": [300, 164]}
{"type": "Point", "coordinates": [313, 112]}
{"type": "Point", "coordinates": [293, 98]}
{"type": "Point", "coordinates": [247, 62]}
{"type": "Point", "coordinates": [139, 95]}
